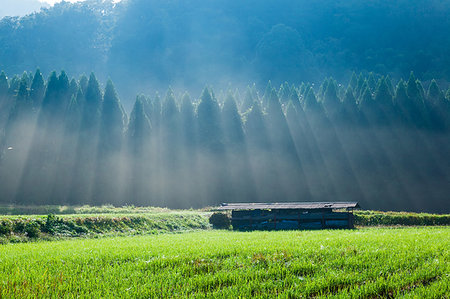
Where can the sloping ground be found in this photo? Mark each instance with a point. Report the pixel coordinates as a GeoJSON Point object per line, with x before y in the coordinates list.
{"type": "Point", "coordinates": [364, 263]}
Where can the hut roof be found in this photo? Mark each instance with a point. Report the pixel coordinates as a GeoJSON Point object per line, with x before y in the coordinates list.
{"type": "Point", "coordinates": [288, 205]}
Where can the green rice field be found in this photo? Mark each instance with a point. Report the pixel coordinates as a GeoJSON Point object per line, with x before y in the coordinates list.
{"type": "Point", "coordinates": [361, 263]}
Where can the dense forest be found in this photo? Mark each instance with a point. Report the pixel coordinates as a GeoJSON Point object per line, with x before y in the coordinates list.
{"type": "Point", "coordinates": [68, 141]}
{"type": "Point", "coordinates": [145, 45]}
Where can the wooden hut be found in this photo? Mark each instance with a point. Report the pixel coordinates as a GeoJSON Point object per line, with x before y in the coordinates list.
{"type": "Point", "coordinates": [291, 215]}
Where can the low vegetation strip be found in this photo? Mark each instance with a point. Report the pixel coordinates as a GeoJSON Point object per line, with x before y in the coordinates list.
{"type": "Point", "coordinates": [89, 221]}
{"type": "Point", "coordinates": [23, 228]}
{"type": "Point", "coordinates": [364, 263]}
{"type": "Point", "coordinates": [374, 218]}
{"type": "Point", "coordinates": [68, 210]}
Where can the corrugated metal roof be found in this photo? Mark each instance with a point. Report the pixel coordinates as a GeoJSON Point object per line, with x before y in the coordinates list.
{"type": "Point", "coordinates": [288, 205]}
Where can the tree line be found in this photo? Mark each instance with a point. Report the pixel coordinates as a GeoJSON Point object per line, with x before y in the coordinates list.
{"type": "Point", "coordinates": [69, 141]}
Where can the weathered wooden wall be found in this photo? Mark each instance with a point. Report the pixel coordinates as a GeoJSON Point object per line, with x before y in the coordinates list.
{"type": "Point", "coordinates": [290, 219]}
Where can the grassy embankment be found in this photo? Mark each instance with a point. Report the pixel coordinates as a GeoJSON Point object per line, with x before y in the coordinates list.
{"type": "Point", "coordinates": [100, 221]}
{"type": "Point", "coordinates": [364, 263]}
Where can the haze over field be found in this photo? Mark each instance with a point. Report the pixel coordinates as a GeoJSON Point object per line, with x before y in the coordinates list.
{"type": "Point", "coordinates": [227, 100]}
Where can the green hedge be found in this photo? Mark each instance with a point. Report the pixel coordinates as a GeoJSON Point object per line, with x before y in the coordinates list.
{"type": "Point", "coordinates": [51, 226]}
{"type": "Point", "coordinates": [374, 218]}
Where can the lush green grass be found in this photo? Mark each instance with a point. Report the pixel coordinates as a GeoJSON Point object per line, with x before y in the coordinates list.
{"type": "Point", "coordinates": [402, 262]}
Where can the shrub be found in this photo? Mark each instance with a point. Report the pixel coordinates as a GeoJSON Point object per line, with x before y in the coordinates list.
{"type": "Point", "coordinates": [5, 227]}
{"type": "Point", "coordinates": [32, 229]}
{"type": "Point", "coordinates": [220, 221]}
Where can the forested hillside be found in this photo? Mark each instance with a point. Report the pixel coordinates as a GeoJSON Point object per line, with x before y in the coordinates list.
{"type": "Point", "coordinates": [145, 45]}
{"type": "Point", "coordinates": [67, 141]}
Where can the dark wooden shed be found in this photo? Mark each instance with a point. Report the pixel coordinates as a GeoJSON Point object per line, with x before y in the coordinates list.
{"type": "Point", "coordinates": [291, 215]}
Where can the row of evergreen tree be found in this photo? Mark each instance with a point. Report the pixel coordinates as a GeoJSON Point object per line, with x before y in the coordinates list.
{"type": "Point", "coordinates": [69, 142]}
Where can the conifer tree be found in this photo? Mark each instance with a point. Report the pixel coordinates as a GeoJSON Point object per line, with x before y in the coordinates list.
{"type": "Point", "coordinates": [64, 92]}
{"type": "Point", "coordinates": [248, 100]}
{"type": "Point", "coordinates": [108, 168]}
{"type": "Point", "coordinates": [322, 89]}
{"type": "Point", "coordinates": [435, 95]}
{"type": "Point", "coordinates": [169, 109]}
{"type": "Point", "coordinates": [267, 93]}
{"type": "Point", "coordinates": [382, 95]}
{"type": "Point", "coordinates": [371, 82]}
{"type": "Point", "coordinates": [232, 124]}
{"type": "Point", "coordinates": [112, 121]}
{"type": "Point", "coordinates": [401, 101]}
{"type": "Point", "coordinates": [255, 127]}
{"type": "Point", "coordinates": [359, 86]}
{"type": "Point", "coordinates": [74, 113]}
{"type": "Point", "coordinates": [421, 91]}
{"type": "Point", "coordinates": [401, 96]}
{"type": "Point", "coordinates": [260, 154]}
{"type": "Point", "coordinates": [349, 108]}
{"type": "Point", "coordinates": [187, 169]}
{"type": "Point", "coordinates": [22, 108]}
{"type": "Point", "coordinates": [87, 144]}
{"type": "Point", "coordinates": [44, 163]}
{"type": "Point", "coordinates": [366, 98]}
{"type": "Point", "coordinates": [170, 135]}
{"type": "Point", "coordinates": [83, 82]}
{"type": "Point", "coordinates": [73, 87]}
{"type": "Point", "coordinates": [209, 128]}
{"type": "Point", "coordinates": [294, 99]}
{"type": "Point", "coordinates": [92, 104]}
{"type": "Point", "coordinates": [13, 86]}
{"type": "Point", "coordinates": [413, 90]}
{"type": "Point", "coordinates": [138, 136]}
{"type": "Point", "coordinates": [188, 122]}
{"type": "Point", "coordinates": [4, 85]}
{"type": "Point", "coordinates": [369, 108]}
{"type": "Point", "coordinates": [284, 92]}
{"type": "Point", "coordinates": [148, 106]}
{"type": "Point", "coordinates": [237, 97]}
{"type": "Point", "coordinates": [5, 105]}
{"type": "Point", "coordinates": [364, 86]}
{"type": "Point", "coordinates": [353, 81]}
{"type": "Point", "coordinates": [331, 101]}
{"type": "Point", "coordinates": [17, 136]}
{"type": "Point", "coordinates": [156, 112]}
{"type": "Point", "coordinates": [383, 107]}
{"type": "Point", "coordinates": [415, 108]}
{"type": "Point", "coordinates": [56, 98]}
{"type": "Point", "coordinates": [68, 164]}
{"type": "Point", "coordinates": [238, 165]}
{"type": "Point", "coordinates": [437, 106]}
{"type": "Point", "coordinates": [139, 128]}
{"type": "Point", "coordinates": [284, 151]}
{"type": "Point", "coordinates": [302, 90]}
{"type": "Point", "coordinates": [311, 103]}
{"type": "Point", "coordinates": [389, 85]}
{"type": "Point", "coordinates": [37, 89]}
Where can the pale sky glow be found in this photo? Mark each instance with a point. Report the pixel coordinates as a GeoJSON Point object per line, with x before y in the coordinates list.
{"type": "Point", "coordinates": [51, 2]}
